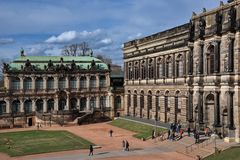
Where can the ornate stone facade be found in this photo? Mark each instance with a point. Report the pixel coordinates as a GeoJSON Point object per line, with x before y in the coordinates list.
{"type": "Point", "coordinates": [36, 86]}
{"type": "Point", "coordinates": [188, 74]}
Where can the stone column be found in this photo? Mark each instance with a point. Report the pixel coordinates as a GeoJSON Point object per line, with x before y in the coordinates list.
{"type": "Point", "coordinates": [163, 115]}
{"type": "Point", "coordinates": [21, 82]}
{"type": "Point", "coordinates": [88, 103]}
{"type": "Point", "coordinates": [200, 69]}
{"type": "Point", "coordinates": [217, 57]}
{"type": "Point", "coordinates": [200, 108]}
{"type": "Point", "coordinates": [217, 110]}
{"type": "Point", "coordinates": [88, 82]}
{"type": "Point", "coordinates": [67, 82]}
{"type": "Point", "coordinates": [34, 83]}
{"type": "Point", "coordinates": [45, 105]}
{"type": "Point", "coordinates": [78, 84]}
{"type": "Point", "coordinates": [67, 102]}
{"type": "Point", "coordinates": [45, 83]}
{"type": "Point", "coordinates": [22, 105]}
{"type": "Point", "coordinates": [97, 81]}
{"type": "Point", "coordinates": [56, 103]}
{"type": "Point", "coordinates": [190, 107]}
{"type": "Point", "coordinates": [8, 106]}
{"type": "Point", "coordinates": [154, 109]}
{"type": "Point", "coordinates": [230, 124]}
{"type": "Point", "coordinates": [56, 82]}
{"type": "Point", "coordinates": [183, 115]}
{"type": "Point", "coordinates": [145, 110]}
{"type": "Point", "coordinates": [78, 103]}
{"type": "Point", "coordinates": [98, 105]}
{"type": "Point", "coordinates": [33, 105]}
{"type": "Point", "coordinates": [126, 109]}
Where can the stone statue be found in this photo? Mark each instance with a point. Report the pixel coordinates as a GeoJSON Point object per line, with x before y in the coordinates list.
{"type": "Point", "coordinates": [232, 17]}
{"type": "Point", "coordinates": [73, 65]}
{"type": "Point", "coordinates": [226, 62]}
{"type": "Point", "coordinates": [5, 67]}
{"type": "Point", "coordinates": [93, 64]}
{"type": "Point", "coordinates": [50, 64]}
{"type": "Point", "coordinates": [218, 20]}
{"type": "Point", "coordinates": [22, 52]}
{"type": "Point", "coordinates": [28, 63]}
{"type": "Point", "coordinates": [202, 25]}
{"type": "Point", "coordinates": [191, 30]}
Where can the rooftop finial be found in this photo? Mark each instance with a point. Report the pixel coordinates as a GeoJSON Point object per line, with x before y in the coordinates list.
{"type": "Point", "coordinates": [22, 52]}
{"type": "Point", "coordinates": [230, 1]}
{"type": "Point", "coordinates": [193, 14]}
{"type": "Point", "coordinates": [221, 3]}
{"type": "Point", "coordinates": [204, 10]}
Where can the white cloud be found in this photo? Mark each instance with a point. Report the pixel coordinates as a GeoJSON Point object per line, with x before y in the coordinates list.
{"type": "Point", "coordinates": [70, 36]}
{"type": "Point", "coordinates": [6, 40]}
{"type": "Point", "coordinates": [106, 41]}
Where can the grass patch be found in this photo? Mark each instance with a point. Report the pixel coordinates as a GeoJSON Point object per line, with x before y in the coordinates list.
{"type": "Point", "coordinates": [142, 130]}
{"type": "Point", "coordinates": [34, 142]}
{"type": "Point", "coordinates": [231, 154]}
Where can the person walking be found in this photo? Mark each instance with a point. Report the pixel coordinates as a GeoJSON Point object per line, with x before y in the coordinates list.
{"type": "Point", "coordinates": [189, 131]}
{"type": "Point", "coordinates": [90, 150]}
{"type": "Point", "coordinates": [153, 133]}
{"type": "Point", "coordinates": [181, 133]}
{"type": "Point", "coordinates": [124, 145]}
{"type": "Point", "coordinates": [110, 133]}
{"type": "Point", "coordinates": [127, 146]}
{"type": "Point", "coordinates": [169, 132]}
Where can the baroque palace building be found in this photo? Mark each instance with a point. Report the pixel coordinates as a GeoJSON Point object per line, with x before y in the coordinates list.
{"type": "Point", "coordinates": [36, 86]}
{"type": "Point", "coordinates": [189, 74]}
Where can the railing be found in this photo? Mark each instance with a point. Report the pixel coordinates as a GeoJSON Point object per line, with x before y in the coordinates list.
{"type": "Point", "coordinates": [198, 145]}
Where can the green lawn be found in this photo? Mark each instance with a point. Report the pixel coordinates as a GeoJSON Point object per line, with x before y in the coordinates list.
{"type": "Point", "coordinates": [33, 142]}
{"type": "Point", "coordinates": [142, 130]}
{"type": "Point", "coordinates": [230, 154]}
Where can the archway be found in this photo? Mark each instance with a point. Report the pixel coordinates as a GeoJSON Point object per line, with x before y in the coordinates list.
{"type": "Point", "coordinates": [83, 104]}
{"type": "Point", "coordinates": [134, 103]}
{"type": "Point", "coordinates": [209, 110]}
{"type": "Point", "coordinates": [28, 106]}
{"type": "Point", "coordinates": [141, 103]}
{"type": "Point", "coordinates": [2, 107]}
{"type": "Point", "coordinates": [149, 104]}
{"type": "Point", "coordinates": [61, 104]}
{"type": "Point", "coordinates": [50, 105]}
{"type": "Point", "coordinates": [39, 105]}
{"type": "Point", "coordinates": [73, 104]}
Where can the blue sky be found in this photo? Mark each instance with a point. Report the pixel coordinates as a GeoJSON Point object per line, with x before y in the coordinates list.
{"type": "Point", "coordinates": [43, 27]}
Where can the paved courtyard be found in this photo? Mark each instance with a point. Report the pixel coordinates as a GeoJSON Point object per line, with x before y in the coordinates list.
{"type": "Point", "coordinates": [111, 147]}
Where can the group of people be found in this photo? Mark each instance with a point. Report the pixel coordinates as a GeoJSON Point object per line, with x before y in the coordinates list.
{"type": "Point", "coordinates": [175, 132]}
{"type": "Point", "coordinates": [125, 145]}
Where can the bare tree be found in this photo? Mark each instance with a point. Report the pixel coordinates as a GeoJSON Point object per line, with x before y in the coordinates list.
{"type": "Point", "coordinates": [104, 59]}
{"type": "Point", "coordinates": [77, 49]}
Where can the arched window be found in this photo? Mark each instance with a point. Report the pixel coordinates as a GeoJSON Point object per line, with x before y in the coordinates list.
{"type": "Point", "coordinates": [118, 102]}
{"type": "Point", "coordinates": [150, 69]}
{"type": "Point", "coordinates": [92, 82]}
{"type": "Point", "coordinates": [39, 105]}
{"type": "Point", "coordinates": [83, 82]}
{"type": "Point", "coordinates": [179, 66]}
{"type": "Point", "coordinates": [15, 83]}
{"type": "Point", "coordinates": [16, 106]}
{"type": "Point", "coordinates": [143, 70]}
{"type": "Point", "coordinates": [159, 69]}
{"type": "Point", "coordinates": [73, 83]}
{"type": "Point", "coordinates": [62, 83]}
{"type": "Point", "coordinates": [210, 60]}
{"type": "Point", "coordinates": [83, 103]}
{"type": "Point", "coordinates": [50, 105]}
{"type": "Point", "coordinates": [27, 83]}
{"type": "Point", "coordinates": [92, 103]}
{"type": "Point", "coordinates": [130, 70]}
{"type": "Point", "coordinates": [102, 81]}
{"type": "Point", "coordinates": [50, 83]}
{"type": "Point", "coordinates": [2, 107]}
{"type": "Point", "coordinates": [39, 83]}
{"type": "Point", "coordinates": [169, 67]}
{"type": "Point", "coordinates": [28, 106]}
{"type": "Point", "coordinates": [136, 71]}
{"type": "Point", "coordinates": [103, 100]}
{"type": "Point", "coordinates": [73, 104]}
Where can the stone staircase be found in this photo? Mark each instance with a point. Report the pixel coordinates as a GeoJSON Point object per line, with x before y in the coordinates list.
{"type": "Point", "coordinates": [188, 147]}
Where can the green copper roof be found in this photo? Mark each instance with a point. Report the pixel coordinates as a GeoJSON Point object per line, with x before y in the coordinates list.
{"type": "Point", "coordinates": [41, 61]}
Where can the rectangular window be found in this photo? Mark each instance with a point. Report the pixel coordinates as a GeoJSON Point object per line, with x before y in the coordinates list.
{"type": "Point", "coordinates": [50, 84]}
{"type": "Point", "coordinates": [39, 84]}
{"type": "Point", "coordinates": [73, 84]}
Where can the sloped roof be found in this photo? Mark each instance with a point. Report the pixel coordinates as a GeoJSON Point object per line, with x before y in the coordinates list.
{"type": "Point", "coordinates": [41, 61]}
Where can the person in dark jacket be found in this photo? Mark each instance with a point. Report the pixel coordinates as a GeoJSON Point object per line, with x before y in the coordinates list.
{"type": "Point", "coordinates": [90, 150]}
